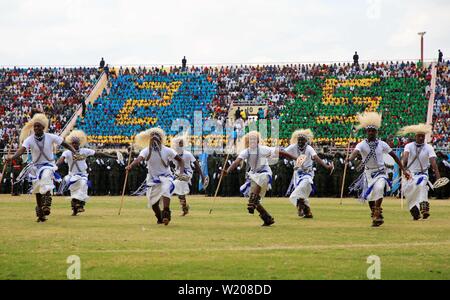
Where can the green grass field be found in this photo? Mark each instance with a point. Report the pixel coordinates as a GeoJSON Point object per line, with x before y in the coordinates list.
{"type": "Point", "coordinates": [228, 244]}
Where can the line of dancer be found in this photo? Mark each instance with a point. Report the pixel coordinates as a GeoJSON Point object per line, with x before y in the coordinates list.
{"type": "Point", "coordinates": [170, 169]}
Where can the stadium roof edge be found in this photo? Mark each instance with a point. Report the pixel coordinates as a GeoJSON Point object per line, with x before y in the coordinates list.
{"type": "Point", "coordinates": [429, 60]}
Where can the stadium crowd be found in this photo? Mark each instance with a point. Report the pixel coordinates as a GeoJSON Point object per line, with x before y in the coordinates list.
{"type": "Point", "coordinates": [441, 109]}
{"type": "Point", "coordinates": [55, 91]}
{"type": "Point", "coordinates": [293, 93]}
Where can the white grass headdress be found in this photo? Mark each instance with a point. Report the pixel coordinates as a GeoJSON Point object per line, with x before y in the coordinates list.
{"type": "Point", "coordinates": [175, 142]}
{"type": "Point", "coordinates": [142, 139]}
{"type": "Point", "coordinates": [306, 133]}
{"type": "Point", "coordinates": [252, 135]}
{"type": "Point", "coordinates": [27, 130]}
{"type": "Point", "coordinates": [244, 142]}
{"type": "Point", "coordinates": [369, 120]}
{"type": "Point", "coordinates": [420, 128]}
{"type": "Point", "coordinates": [77, 135]}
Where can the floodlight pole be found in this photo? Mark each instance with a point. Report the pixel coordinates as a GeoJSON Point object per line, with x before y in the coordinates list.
{"type": "Point", "coordinates": [421, 45]}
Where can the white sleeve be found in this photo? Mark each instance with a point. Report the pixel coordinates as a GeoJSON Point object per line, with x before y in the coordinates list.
{"type": "Point", "coordinates": [89, 152]}
{"type": "Point", "coordinates": [244, 154]}
{"type": "Point", "coordinates": [359, 147]}
{"type": "Point", "coordinates": [192, 158]}
{"type": "Point", "coordinates": [171, 154]}
{"type": "Point", "coordinates": [386, 147]}
{"type": "Point", "coordinates": [267, 151]}
{"type": "Point", "coordinates": [408, 148]}
{"type": "Point", "coordinates": [56, 139]}
{"type": "Point", "coordinates": [144, 153]}
{"type": "Point", "coordinates": [312, 152]}
{"type": "Point", "coordinates": [27, 143]}
{"type": "Point", "coordinates": [291, 150]}
{"type": "Point", "coordinates": [431, 152]}
{"type": "Point", "coordinates": [65, 155]}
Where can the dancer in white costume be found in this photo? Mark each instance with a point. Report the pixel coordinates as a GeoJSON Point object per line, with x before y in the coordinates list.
{"type": "Point", "coordinates": [183, 180]}
{"type": "Point", "coordinates": [42, 171]}
{"type": "Point", "coordinates": [373, 182]}
{"type": "Point", "coordinates": [259, 177]}
{"type": "Point", "coordinates": [417, 158]}
{"type": "Point", "coordinates": [302, 181]}
{"type": "Point", "coordinates": [77, 181]}
{"type": "Point", "coordinates": [159, 183]}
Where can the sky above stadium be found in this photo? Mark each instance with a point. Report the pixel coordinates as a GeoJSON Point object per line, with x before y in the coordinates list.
{"type": "Point", "coordinates": [128, 32]}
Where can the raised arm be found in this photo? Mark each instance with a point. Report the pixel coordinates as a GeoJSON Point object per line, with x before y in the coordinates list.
{"type": "Point", "coordinates": [233, 166]}
{"type": "Point", "coordinates": [399, 163]}
{"type": "Point", "coordinates": [105, 154]}
{"type": "Point", "coordinates": [352, 156]}
{"type": "Point", "coordinates": [180, 163]}
{"type": "Point", "coordinates": [69, 147]}
{"type": "Point", "coordinates": [60, 161]}
{"type": "Point", "coordinates": [134, 163]}
{"type": "Point", "coordinates": [405, 158]}
{"type": "Point", "coordinates": [318, 160]}
{"type": "Point", "coordinates": [435, 167]}
{"type": "Point", "coordinates": [285, 154]}
{"type": "Point", "coordinates": [199, 169]}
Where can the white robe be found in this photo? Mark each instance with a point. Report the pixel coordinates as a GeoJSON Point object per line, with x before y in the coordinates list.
{"type": "Point", "coordinates": [260, 173]}
{"type": "Point", "coordinates": [181, 186]}
{"type": "Point", "coordinates": [416, 189]}
{"type": "Point", "coordinates": [42, 172]}
{"type": "Point", "coordinates": [302, 179]}
{"type": "Point", "coordinates": [77, 179]}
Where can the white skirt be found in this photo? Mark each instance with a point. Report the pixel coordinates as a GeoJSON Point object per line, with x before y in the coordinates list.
{"type": "Point", "coordinates": [161, 186]}
{"type": "Point", "coordinates": [303, 183]}
{"type": "Point", "coordinates": [42, 177]}
{"type": "Point", "coordinates": [182, 187]}
{"type": "Point", "coordinates": [78, 186]}
{"type": "Point", "coordinates": [262, 179]}
{"type": "Point", "coordinates": [377, 183]}
{"type": "Point", "coordinates": [416, 189]}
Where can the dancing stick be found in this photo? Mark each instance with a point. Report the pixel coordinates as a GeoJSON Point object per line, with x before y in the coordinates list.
{"type": "Point", "coordinates": [345, 170]}
{"type": "Point", "coordinates": [125, 181]}
{"type": "Point", "coordinates": [218, 185]}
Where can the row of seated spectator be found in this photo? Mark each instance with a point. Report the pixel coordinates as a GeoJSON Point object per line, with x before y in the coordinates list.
{"type": "Point", "coordinates": [55, 91]}
{"type": "Point", "coordinates": [441, 109]}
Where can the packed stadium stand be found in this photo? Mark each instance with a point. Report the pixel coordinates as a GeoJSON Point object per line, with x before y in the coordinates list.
{"type": "Point", "coordinates": [441, 109]}
{"type": "Point", "coordinates": [323, 97]}
{"type": "Point", "coordinates": [138, 101]}
{"type": "Point", "coordinates": [55, 91]}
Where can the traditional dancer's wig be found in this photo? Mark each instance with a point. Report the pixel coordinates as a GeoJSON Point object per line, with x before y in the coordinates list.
{"type": "Point", "coordinates": [251, 135]}
{"type": "Point", "coordinates": [27, 130]}
{"type": "Point", "coordinates": [244, 142]}
{"type": "Point", "coordinates": [305, 133]}
{"type": "Point", "coordinates": [142, 139]}
{"type": "Point", "coordinates": [77, 136]}
{"type": "Point", "coordinates": [175, 142]}
{"type": "Point", "coordinates": [369, 120]}
{"type": "Point", "coordinates": [420, 128]}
